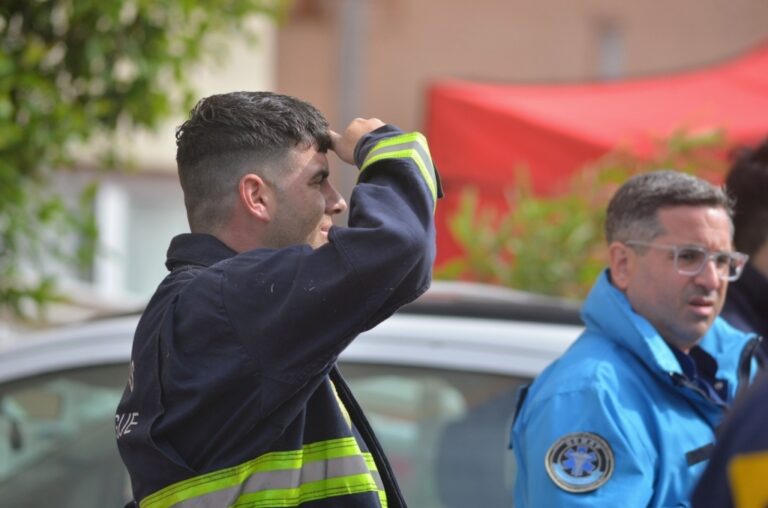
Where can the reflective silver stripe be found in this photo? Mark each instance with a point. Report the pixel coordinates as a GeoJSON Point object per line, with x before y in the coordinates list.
{"type": "Point", "coordinates": [285, 479]}
{"type": "Point", "coordinates": [425, 156]}
{"type": "Point", "coordinates": [413, 146]}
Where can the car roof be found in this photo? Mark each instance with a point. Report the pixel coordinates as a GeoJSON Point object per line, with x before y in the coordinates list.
{"type": "Point", "coordinates": [476, 300]}
{"type": "Point", "coordinates": [464, 326]}
{"type": "Point", "coordinates": [90, 343]}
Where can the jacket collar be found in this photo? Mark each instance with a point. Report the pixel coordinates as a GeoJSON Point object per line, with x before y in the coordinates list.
{"type": "Point", "coordinates": [196, 249]}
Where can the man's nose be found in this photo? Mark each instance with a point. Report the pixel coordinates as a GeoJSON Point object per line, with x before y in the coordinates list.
{"type": "Point", "coordinates": [335, 203]}
{"type": "Point", "coordinates": [709, 276]}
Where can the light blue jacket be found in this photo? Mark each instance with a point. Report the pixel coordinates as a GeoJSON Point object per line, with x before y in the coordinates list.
{"type": "Point", "coordinates": [620, 382]}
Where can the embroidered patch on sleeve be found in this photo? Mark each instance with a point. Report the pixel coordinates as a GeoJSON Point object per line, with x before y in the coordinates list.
{"type": "Point", "coordinates": [580, 462]}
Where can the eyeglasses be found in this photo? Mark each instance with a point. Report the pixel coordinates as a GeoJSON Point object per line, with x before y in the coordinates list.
{"type": "Point", "coordinates": [690, 259]}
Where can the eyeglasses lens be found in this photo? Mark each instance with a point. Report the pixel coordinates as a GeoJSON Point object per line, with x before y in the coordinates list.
{"type": "Point", "coordinates": [691, 261]}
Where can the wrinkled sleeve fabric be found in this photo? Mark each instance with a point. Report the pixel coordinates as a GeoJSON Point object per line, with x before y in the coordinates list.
{"type": "Point", "coordinates": [296, 309]}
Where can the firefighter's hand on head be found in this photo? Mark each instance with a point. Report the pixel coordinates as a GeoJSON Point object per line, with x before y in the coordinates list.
{"type": "Point", "coordinates": [344, 144]}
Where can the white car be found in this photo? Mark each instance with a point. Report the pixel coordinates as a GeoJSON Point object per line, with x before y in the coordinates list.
{"type": "Point", "coordinates": [437, 381]}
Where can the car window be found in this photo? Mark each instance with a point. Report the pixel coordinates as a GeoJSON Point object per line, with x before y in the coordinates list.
{"type": "Point", "coordinates": [445, 432]}
{"type": "Point", "coordinates": [57, 440]}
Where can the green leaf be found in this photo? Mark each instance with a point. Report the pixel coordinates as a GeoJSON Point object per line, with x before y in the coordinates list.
{"type": "Point", "coordinates": [555, 244]}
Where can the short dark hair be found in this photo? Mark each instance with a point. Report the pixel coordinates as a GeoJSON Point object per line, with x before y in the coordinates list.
{"type": "Point", "coordinates": [747, 184]}
{"type": "Point", "coordinates": [232, 134]}
{"type": "Point", "coordinates": [633, 211]}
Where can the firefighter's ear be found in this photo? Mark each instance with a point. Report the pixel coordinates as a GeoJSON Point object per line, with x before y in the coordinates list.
{"type": "Point", "coordinates": [621, 260]}
{"type": "Point", "coordinates": [256, 196]}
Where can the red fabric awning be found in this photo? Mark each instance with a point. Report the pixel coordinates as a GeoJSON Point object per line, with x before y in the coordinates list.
{"type": "Point", "coordinates": [480, 133]}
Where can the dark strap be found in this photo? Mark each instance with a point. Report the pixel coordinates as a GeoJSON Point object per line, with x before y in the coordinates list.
{"type": "Point", "coordinates": [699, 454]}
{"type": "Point", "coordinates": [761, 353]}
{"type": "Point", "coordinates": [754, 349]}
{"type": "Point", "coordinates": [520, 396]}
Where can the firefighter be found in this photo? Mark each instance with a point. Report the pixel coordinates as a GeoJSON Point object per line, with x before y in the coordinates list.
{"type": "Point", "coordinates": [234, 397]}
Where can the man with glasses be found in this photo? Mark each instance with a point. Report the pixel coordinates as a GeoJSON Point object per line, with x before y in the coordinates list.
{"type": "Point", "coordinates": [627, 415]}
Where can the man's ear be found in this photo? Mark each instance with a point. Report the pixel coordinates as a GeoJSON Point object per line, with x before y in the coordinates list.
{"type": "Point", "coordinates": [620, 259]}
{"type": "Point", "coordinates": [255, 196]}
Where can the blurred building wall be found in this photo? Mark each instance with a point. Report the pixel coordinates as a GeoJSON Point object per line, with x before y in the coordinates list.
{"type": "Point", "coordinates": [400, 46]}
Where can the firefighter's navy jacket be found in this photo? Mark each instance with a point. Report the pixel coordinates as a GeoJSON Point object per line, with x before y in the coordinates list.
{"type": "Point", "coordinates": [233, 397]}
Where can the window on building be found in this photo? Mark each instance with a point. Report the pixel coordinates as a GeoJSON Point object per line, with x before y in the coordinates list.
{"type": "Point", "coordinates": [610, 50]}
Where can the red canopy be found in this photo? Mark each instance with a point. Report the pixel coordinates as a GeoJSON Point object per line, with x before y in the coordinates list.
{"type": "Point", "coordinates": [480, 133]}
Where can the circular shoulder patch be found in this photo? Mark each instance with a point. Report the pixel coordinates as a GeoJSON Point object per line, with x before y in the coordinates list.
{"type": "Point", "coordinates": [579, 462]}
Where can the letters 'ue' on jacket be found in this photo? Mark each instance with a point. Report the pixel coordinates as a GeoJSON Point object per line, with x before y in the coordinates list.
{"type": "Point", "coordinates": [618, 400]}
{"type": "Point", "coordinates": [234, 398]}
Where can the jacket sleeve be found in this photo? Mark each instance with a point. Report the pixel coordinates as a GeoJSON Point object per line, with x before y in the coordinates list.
{"type": "Point", "coordinates": [296, 309]}
{"type": "Point", "coordinates": [553, 466]}
{"type": "Point", "coordinates": [395, 168]}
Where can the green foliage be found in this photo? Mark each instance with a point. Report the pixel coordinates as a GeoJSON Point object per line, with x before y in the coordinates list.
{"type": "Point", "coordinates": [555, 244]}
{"type": "Point", "coordinates": [71, 70]}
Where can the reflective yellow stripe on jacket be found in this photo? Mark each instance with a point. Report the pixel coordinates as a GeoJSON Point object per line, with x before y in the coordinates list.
{"type": "Point", "coordinates": [747, 474]}
{"type": "Point", "coordinates": [412, 146]}
{"type": "Point", "coordinates": [320, 470]}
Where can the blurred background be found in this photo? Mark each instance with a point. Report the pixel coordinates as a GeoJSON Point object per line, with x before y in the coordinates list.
{"type": "Point", "coordinates": [534, 110]}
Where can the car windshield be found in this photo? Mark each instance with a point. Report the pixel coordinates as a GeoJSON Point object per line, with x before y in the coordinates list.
{"type": "Point", "coordinates": [444, 431]}
{"type": "Point", "coordinates": [57, 440]}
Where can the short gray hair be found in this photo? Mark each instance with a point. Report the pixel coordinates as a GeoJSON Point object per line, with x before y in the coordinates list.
{"type": "Point", "coordinates": [633, 211]}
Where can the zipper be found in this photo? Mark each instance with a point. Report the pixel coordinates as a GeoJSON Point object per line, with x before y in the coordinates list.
{"type": "Point", "coordinates": [681, 380]}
